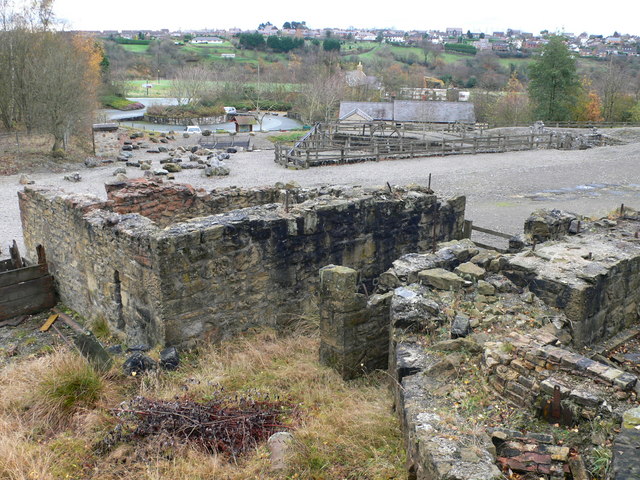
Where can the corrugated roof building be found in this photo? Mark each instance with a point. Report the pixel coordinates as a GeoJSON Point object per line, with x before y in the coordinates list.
{"type": "Point", "coordinates": [412, 111]}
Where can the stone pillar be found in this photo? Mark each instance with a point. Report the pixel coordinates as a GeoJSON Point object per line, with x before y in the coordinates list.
{"type": "Point", "coordinates": [105, 140]}
{"type": "Point", "coordinates": [354, 330]}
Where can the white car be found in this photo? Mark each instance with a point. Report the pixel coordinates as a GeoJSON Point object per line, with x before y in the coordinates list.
{"type": "Point", "coordinates": [193, 129]}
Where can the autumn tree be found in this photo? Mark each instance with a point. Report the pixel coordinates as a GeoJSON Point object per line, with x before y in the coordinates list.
{"type": "Point", "coordinates": [66, 85]}
{"type": "Point", "coordinates": [588, 106]}
{"type": "Point", "coordinates": [512, 106]}
{"type": "Point", "coordinates": [553, 81]}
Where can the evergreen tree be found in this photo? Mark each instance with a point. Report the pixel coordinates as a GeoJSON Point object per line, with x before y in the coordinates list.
{"type": "Point", "coordinates": [553, 82]}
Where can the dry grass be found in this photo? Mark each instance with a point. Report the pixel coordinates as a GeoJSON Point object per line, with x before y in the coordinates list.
{"type": "Point", "coordinates": [343, 430]}
{"type": "Point", "coordinates": [20, 152]}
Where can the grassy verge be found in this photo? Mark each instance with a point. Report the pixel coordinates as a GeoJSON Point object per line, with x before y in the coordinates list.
{"type": "Point", "coordinates": [119, 103]}
{"type": "Point", "coordinates": [290, 137]}
{"type": "Point", "coordinates": [51, 422]}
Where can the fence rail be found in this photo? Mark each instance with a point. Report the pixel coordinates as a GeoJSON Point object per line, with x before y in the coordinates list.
{"type": "Point", "coordinates": [586, 125]}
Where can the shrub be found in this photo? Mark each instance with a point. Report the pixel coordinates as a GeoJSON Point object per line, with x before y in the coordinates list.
{"type": "Point", "coordinates": [461, 48]}
{"type": "Point", "coordinates": [185, 111]}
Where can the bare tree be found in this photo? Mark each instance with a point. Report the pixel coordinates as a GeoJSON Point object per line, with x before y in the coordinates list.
{"type": "Point", "coordinates": [190, 84]}
{"type": "Point", "coordinates": [320, 99]}
{"type": "Point", "coordinates": [612, 85]}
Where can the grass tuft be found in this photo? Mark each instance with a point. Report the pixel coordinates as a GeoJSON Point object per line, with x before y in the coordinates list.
{"type": "Point", "coordinates": [71, 385]}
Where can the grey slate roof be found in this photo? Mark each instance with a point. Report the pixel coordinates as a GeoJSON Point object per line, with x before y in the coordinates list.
{"type": "Point", "coordinates": [413, 111]}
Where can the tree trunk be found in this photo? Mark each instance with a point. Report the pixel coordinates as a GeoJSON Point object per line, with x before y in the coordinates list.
{"type": "Point", "coordinates": [57, 143]}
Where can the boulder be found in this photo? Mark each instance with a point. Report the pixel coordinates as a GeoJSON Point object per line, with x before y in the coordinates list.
{"type": "Point", "coordinates": [91, 162]}
{"type": "Point", "coordinates": [172, 167]}
{"type": "Point", "coordinates": [216, 169]}
{"type": "Point", "coordinates": [461, 326]}
{"type": "Point", "coordinates": [485, 288]}
{"type": "Point", "coordinates": [73, 177]}
{"type": "Point", "coordinates": [631, 418]}
{"type": "Point", "coordinates": [25, 180]}
{"type": "Point", "coordinates": [279, 445]}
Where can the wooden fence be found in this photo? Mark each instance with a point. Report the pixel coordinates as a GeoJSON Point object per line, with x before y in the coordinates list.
{"type": "Point", "coordinates": [25, 289]}
{"type": "Point", "coordinates": [570, 124]}
{"type": "Point", "coordinates": [352, 143]}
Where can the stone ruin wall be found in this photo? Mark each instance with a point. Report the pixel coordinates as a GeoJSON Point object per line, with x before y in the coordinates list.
{"type": "Point", "coordinates": [592, 274]}
{"type": "Point", "coordinates": [582, 284]}
{"type": "Point", "coordinates": [209, 277]}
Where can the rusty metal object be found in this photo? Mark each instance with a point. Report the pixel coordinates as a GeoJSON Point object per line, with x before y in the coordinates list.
{"type": "Point", "coordinates": [554, 411]}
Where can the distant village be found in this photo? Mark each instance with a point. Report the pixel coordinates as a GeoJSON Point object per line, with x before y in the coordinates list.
{"type": "Point", "coordinates": [508, 43]}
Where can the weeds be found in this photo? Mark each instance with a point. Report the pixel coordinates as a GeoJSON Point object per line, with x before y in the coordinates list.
{"type": "Point", "coordinates": [54, 416]}
{"type": "Point", "coordinates": [600, 462]}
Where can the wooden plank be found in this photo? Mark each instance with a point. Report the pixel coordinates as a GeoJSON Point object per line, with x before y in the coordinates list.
{"type": "Point", "coordinates": [23, 290]}
{"type": "Point", "coordinates": [36, 303]}
{"type": "Point", "coordinates": [22, 275]}
{"type": "Point", "coordinates": [14, 322]}
{"type": "Point", "coordinates": [491, 232]}
{"type": "Point", "coordinates": [47, 325]}
{"type": "Point", "coordinates": [15, 255]}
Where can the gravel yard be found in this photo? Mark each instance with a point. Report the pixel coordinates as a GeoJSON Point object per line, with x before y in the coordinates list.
{"type": "Point", "coordinates": [501, 189]}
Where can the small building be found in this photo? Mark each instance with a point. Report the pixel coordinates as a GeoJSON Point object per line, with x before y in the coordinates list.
{"type": "Point", "coordinates": [228, 55]}
{"type": "Point", "coordinates": [244, 123]}
{"type": "Point", "coordinates": [207, 41]}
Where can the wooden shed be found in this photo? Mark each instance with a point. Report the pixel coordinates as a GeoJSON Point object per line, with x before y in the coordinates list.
{"type": "Point", "coordinates": [244, 123]}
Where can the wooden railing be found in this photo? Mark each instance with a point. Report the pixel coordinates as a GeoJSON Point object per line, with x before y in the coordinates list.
{"type": "Point", "coordinates": [333, 144]}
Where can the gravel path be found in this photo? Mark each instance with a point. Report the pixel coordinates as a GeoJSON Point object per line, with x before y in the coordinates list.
{"type": "Point", "coordinates": [501, 189]}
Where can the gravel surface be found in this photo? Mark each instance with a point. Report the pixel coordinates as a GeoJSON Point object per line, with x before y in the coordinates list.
{"type": "Point", "coordinates": [501, 189]}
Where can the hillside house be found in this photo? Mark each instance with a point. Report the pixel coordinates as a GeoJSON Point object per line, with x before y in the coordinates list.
{"type": "Point", "coordinates": [357, 78]}
{"type": "Point", "coordinates": [207, 41]}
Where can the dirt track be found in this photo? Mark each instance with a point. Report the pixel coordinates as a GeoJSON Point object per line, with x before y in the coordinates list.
{"type": "Point", "coordinates": [501, 189]}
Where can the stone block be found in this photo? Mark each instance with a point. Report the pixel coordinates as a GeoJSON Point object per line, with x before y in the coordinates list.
{"type": "Point", "coordinates": [441, 279]}
{"type": "Point", "coordinates": [585, 398]}
{"type": "Point", "coordinates": [470, 271]}
{"type": "Point", "coordinates": [626, 381]}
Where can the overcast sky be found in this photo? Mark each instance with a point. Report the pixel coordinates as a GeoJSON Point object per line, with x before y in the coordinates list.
{"type": "Point", "coordinates": [478, 16]}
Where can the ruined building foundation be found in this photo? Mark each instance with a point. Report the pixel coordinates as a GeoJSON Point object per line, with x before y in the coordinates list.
{"type": "Point", "coordinates": [165, 263]}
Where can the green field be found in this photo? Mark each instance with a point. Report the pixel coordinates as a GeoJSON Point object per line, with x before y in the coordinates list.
{"type": "Point", "coordinates": [162, 89]}
{"type": "Point", "coordinates": [159, 89]}
{"type": "Point", "coordinates": [136, 48]}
